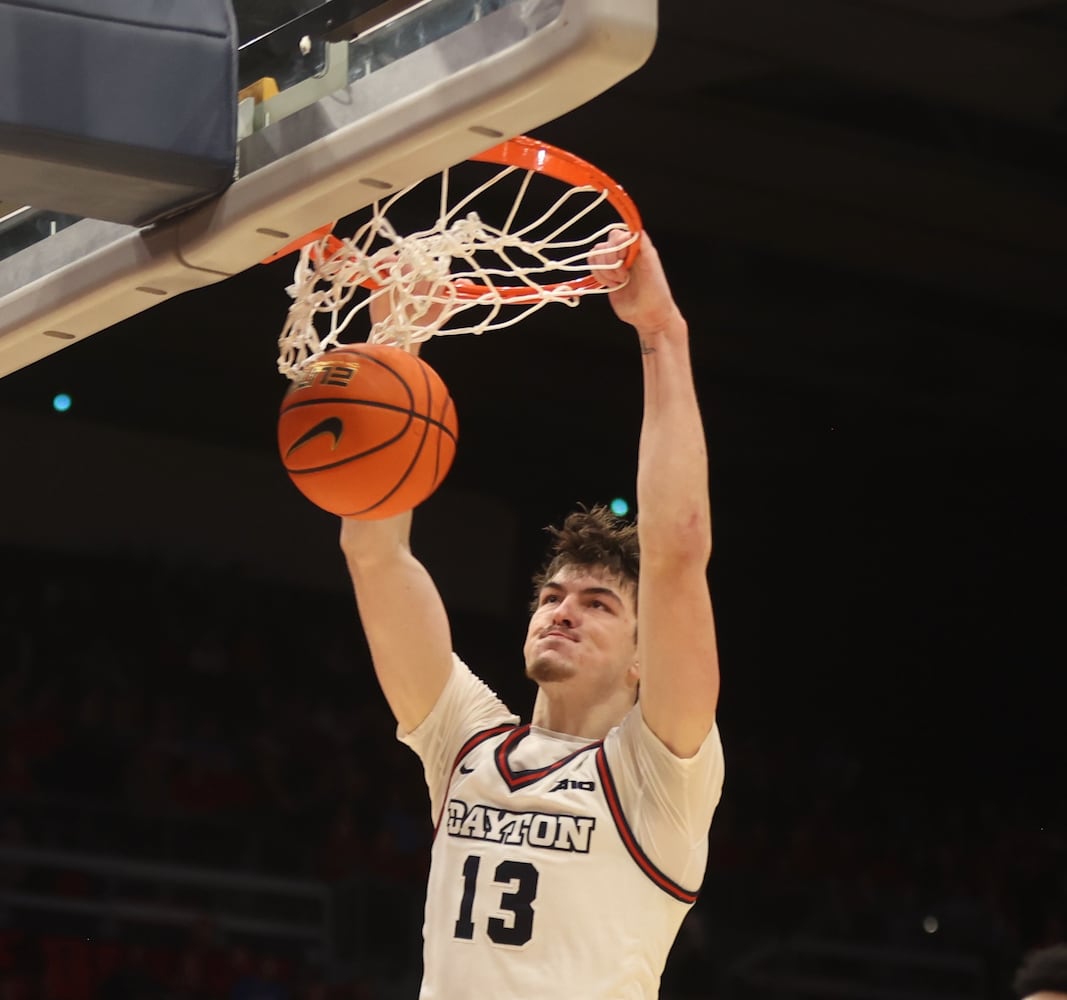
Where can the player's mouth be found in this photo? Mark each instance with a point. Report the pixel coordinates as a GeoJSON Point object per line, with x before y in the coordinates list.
{"type": "Point", "coordinates": [558, 633]}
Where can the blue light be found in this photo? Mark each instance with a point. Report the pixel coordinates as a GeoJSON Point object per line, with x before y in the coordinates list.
{"type": "Point", "coordinates": [61, 402]}
{"type": "Point", "coordinates": [619, 507]}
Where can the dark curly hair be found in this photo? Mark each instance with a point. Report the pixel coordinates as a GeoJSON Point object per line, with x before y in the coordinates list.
{"type": "Point", "coordinates": [592, 537]}
{"type": "Point", "coordinates": [1042, 971]}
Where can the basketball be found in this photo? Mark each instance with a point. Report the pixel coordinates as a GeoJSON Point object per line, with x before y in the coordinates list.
{"type": "Point", "coordinates": [367, 431]}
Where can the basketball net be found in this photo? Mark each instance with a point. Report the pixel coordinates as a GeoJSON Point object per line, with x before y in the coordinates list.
{"type": "Point", "coordinates": [464, 273]}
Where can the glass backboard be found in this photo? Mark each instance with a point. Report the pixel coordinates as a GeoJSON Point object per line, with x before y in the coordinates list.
{"type": "Point", "coordinates": [341, 102]}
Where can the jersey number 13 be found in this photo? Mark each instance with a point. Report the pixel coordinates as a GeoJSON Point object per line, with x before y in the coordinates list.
{"type": "Point", "coordinates": [518, 879]}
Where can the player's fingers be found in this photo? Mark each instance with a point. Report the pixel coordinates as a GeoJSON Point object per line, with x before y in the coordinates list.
{"type": "Point", "coordinates": [607, 257]}
{"type": "Point", "coordinates": [616, 242]}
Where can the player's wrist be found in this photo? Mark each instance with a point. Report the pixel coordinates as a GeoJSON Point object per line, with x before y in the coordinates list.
{"type": "Point", "coordinates": [670, 325]}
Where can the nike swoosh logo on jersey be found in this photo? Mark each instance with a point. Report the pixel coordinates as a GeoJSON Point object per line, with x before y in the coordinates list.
{"type": "Point", "coordinates": [463, 769]}
{"type": "Point", "coordinates": [331, 425]}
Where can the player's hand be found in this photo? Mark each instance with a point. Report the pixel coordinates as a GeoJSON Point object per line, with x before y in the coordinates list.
{"type": "Point", "coordinates": [422, 311]}
{"type": "Point", "coordinates": [640, 296]}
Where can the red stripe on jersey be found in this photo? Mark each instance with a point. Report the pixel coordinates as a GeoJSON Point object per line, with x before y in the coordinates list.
{"type": "Point", "coordinates": [475, 740]}
{"type": "Point", "coordinates": [479, 738]}
{"type": "Point", "coordinates": [520, 779]}
{"type": "Point", "coordinates": [669, 886]}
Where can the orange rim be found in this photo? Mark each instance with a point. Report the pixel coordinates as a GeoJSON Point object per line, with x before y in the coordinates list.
{"type": "Point", "coordinates": [539, 157]}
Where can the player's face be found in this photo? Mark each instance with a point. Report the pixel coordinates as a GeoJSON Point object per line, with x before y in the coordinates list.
{"type": "Point", "coordinates": [584, 626]}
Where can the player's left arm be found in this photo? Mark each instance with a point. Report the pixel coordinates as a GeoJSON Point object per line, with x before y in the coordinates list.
{"type": "Point", "coordinates": [678, 661]}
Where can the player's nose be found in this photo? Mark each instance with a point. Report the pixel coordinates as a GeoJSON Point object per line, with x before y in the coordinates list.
{"type": "Point", "coordinates": [566, 612]}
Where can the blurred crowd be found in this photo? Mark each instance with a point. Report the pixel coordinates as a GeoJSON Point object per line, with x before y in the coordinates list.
{"type": "Point", "coordinates": [189, 716]}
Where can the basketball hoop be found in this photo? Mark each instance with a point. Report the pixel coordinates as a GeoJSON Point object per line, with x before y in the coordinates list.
{"type": "Point", "coordinates": [522, 249]}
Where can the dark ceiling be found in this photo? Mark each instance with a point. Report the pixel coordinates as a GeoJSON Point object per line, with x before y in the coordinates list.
{"type": "Point", "coordinates": [862, 205]}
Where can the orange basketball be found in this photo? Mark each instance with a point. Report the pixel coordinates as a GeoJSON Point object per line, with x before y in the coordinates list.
{"type": "Point", "coordinates": [367, 431]}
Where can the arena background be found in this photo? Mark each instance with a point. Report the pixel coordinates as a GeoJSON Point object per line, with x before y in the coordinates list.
{"type": "Point", "coordinates": [863, 212]}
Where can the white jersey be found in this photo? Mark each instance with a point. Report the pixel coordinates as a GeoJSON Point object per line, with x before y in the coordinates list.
{"type": "Point", "coordinates": [560, 865]}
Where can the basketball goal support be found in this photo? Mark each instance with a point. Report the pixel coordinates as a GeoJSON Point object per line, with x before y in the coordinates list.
{"type": "Point", "coordinates": [516, 67]}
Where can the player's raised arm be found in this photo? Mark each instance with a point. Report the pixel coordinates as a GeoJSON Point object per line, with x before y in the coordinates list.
{"type": "Point", "coordinates": [402, 614]}
{"type": "Point", "coordinates": [677, 656]}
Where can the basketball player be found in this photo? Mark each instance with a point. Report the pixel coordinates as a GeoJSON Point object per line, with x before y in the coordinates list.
{"type": "Point", "coordinates": [1042, 975]}
{"type": "Point", "coordinates": [568, 851]}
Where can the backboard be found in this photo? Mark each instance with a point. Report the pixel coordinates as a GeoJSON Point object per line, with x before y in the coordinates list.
{"type": "Point", "coordinates": [344, 101]}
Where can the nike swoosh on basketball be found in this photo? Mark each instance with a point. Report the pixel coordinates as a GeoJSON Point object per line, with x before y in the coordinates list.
{"type": "Point", "coordinates": [331, 425]}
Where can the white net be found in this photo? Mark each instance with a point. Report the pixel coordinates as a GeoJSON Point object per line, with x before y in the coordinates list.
{"type": "Point", "coordinates": [462, 274]}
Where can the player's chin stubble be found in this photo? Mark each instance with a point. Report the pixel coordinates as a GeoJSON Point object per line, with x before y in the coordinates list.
{"type": "Point", "coordinates": [545, 670]}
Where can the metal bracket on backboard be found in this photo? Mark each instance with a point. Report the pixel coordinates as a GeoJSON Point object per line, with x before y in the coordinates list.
{"type": "Point", "coordinates": [252, 115]}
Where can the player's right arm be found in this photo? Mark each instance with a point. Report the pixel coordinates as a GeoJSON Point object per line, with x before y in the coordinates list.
{"type": "Point", "coordinates": [399, 606]}
{"type": "Point", "coordinates": [402, 614]}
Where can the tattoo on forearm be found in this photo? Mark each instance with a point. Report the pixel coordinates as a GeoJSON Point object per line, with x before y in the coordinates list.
{"type": "Point", "coordinates": [647, 348]}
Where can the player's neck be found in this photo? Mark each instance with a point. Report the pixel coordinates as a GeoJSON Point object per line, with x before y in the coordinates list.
{"type": "Point", "coordinates": [560, 713]}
